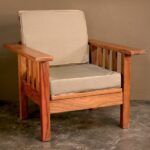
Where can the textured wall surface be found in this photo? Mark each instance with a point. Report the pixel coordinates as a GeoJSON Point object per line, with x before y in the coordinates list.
{"type": "Point", "coordinates": [119, 21]}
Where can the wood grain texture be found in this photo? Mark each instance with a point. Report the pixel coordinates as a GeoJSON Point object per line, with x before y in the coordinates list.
{"type": "Point", "coordinates": [29, 71]}
{"type": "Point", "coordinates": [33, 78]}
{"type": "Point", "coordinates": [88, 102]}
{"type": "Point", "coordinates": [107, 59]}
{"type": "Point", "coordinates": [33, 72]}
{"type": "Point", "coordinates": [31, 93]}
{"type": "Point", "coordinates": [100, 57]}
{"type": "Point", "coordinates": [85, 94]}
{"type": "Point", "coordinates": [125, 107]}
{"type": "Point", "coordinates": [93, 53]}
{"type": "Point", "coordinates": [32, 54]}
{"type": "Point", "coordinates": [114, 61]}
{"type": "Point", "coordinates": [45, 101]}
{"type": "Point", "coordinates": [23, 67]}
{"type": "Point", "coordinates": [23, 100]}
{"type": "Point", "coordinates": [37, 76]}
{"type": "Point", "coordinates": [116, 47]}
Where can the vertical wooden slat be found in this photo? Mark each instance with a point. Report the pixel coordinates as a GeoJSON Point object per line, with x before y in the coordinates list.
{"type": "Point", "coordinates": [45, 101]}
{"type": "Point", "coordinates": [29, 71]}
{"type": "Point", "coordinates": [93, 57]}
{"type": "Point", "coordinates": [23, 64]}
{"type": "Point", "coordinates": [114, 61]}
{"type": "Point", "coordinates": [107, 59]}
{"type": "Point", "coordinates": [33, 74]}
{"type": "Point", "coordinates": [125, 107]}
{"type": "Point", "coordinates": [23, 100]}
{"type": "Point", "coordinates": [37, 76]}
{"type": "Point", "coordinates": [100, 57]}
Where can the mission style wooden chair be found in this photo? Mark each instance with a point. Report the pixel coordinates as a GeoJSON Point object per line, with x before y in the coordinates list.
{"type": "Point", "coordinates": [61, 70]}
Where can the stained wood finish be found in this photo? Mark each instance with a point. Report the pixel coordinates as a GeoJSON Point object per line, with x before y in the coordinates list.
{"type": "Point", "coordinates": [93, 55]}
{"type": "Point", "coordinates": [107, 59]}
{"type": "Point", "coordinates": [114, 61]}
{"type": "Point", "coordinates": [125, 107]}
{"type": "Point", "coordinates": [29, 65]}
{"type": "Point", "coordinates": [23, 100]}
{"type": "Point", "coordinates": [29, 53]}
{"type": "Point", "coordinates": [116, 47]}
{"type": "Point", "coordinates": [100, 57]}
{"type": "Point", "coordinates": [23, 61]}
{"type": "Point", "coordinates": [88, 102]}
{"type": "Point", "coordinates": [37, 76]}
{"type": "Point", "coordinates": [45, 103]}
{"type": "Point", "coordinates": [33, 73]}
{"type": "Point", "coordinates": [33, 78]}
{"type": "Point", "coordinates": [85, 94]}
{"type": "Point", "coordinates": [31, 93]}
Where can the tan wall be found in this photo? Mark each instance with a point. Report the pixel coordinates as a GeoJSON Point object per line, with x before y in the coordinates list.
{"type": "Point", "coordinates": [120, 21]}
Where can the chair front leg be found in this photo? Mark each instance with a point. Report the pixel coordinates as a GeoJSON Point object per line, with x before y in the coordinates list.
{"type": "Point", "coordinates": [23, 100]}
{"type": "Point", "coordinates": [125, 107]}
{"type": "Point", "coordinates": [45, 101]}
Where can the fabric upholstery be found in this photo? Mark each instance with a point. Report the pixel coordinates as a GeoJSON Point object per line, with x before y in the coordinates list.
{"type": "Point", "coordinates": [83, 77]}
{"type": "Point", "coordinates": [60, 33]}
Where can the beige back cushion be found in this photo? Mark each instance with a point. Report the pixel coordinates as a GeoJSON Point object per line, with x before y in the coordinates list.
{"type": "Point", "coordinates": [60, 33]}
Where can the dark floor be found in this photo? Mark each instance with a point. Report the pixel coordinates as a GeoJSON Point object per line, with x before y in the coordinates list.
{"type": "Point", "coordinates": [83, 130]}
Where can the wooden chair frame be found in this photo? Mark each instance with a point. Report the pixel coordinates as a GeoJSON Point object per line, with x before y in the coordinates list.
{"type": "Point", "coordinates": [33, 74]}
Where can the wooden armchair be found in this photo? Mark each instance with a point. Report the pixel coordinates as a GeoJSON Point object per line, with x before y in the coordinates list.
{"type": "Point", "coordinates": [76, 81]}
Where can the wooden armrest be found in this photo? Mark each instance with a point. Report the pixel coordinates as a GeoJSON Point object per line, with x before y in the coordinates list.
{"type": "Point", "coordinates": [28, 52]}
{"type": "Point", "coordinates": [117, 48]}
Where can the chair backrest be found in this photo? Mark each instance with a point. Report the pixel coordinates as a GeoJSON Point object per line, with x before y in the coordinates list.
{"type": "Point", "coordinates": [60, 33]}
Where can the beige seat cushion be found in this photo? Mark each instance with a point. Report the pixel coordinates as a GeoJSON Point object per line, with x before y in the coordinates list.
{"type": "Point", "coordinates": [83, 77]}
{"type": "Point", "coordinates": [60, 33]}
